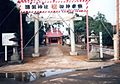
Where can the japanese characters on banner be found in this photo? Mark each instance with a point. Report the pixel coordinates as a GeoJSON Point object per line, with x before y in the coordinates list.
{"type": "Point", "coordinates": [48, 6]}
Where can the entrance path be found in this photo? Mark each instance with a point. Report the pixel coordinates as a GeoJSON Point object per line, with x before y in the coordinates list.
{"type": "Point", "coordinates": [54, 51]}
{"type": "Point", "coordinates": [54, 57]}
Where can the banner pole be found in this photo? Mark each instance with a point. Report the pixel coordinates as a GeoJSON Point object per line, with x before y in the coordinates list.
{"type": "Point", "coordinates": [21, 36]}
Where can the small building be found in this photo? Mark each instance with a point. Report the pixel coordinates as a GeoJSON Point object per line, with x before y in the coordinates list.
{"type": "Point", "coordinates": [54, 36]}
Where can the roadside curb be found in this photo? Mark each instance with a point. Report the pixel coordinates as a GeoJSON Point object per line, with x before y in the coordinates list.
{"type": "Point", "coordinates": [100, 67]}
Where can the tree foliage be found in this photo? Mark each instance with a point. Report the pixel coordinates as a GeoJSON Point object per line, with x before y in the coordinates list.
{"type": "Point", "coordinates": [98, 24]}
{"type": "Point", "coordinates": [10, 22]}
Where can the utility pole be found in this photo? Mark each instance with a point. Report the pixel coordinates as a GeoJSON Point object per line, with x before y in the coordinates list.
{"type": "Point", "coordinates": [116, 36]}
{"type": "Point", "coordinates": [117, 21]}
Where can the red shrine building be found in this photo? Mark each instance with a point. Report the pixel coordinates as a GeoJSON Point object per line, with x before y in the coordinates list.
{"type": "Point", "coordinates": [54, 36]}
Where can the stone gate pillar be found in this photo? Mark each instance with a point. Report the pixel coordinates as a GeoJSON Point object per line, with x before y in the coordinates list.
{"type": "Point", "coordinates": [36, 40]}
{"type": "Point", "coordinates": [72, 38]}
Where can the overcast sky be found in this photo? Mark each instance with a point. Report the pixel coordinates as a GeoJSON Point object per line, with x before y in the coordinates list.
{"type": "Point", "coordinates": [106, 7]}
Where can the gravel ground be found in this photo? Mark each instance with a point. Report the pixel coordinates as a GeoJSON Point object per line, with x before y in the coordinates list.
{"type": "Point", "coordinates": [53, 57]}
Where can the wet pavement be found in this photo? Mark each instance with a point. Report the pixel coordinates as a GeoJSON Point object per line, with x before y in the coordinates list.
{"type": "Point", "coordinates": [107, 75]}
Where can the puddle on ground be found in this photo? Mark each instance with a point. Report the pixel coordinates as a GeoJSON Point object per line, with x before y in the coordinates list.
{"type": "Point", "coordinates": [32, 76]}
{"type": "Point", "coordinates": [105, 70]}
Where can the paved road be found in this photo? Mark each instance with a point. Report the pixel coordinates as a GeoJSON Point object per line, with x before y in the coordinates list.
{"type": "Point", "coordinates": [108, 75]}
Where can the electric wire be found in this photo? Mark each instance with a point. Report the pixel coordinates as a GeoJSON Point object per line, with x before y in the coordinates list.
{"type": "Point", "coordinates": [63, 20]}
{"type": "Point", "coordinates": [106, 28]}
{"type": "Point", "coordinates": [34, 35]}
{"type": "Point", "coordinates": [28, 40]}
{"type": "Point", "coordinates": [4, 21]}
{"type": "Point", "coordinates": [7, 15]}
{"type": "Point", "coordinates": [40, 28]}
{"type": "Point", "coordinates": [66, 23]}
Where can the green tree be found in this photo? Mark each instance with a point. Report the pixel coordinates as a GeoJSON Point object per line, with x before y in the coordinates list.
{"type": "Point", "coordinates": [105, 27]}
{"type": "Point", "coordinates": [99, 23]}
{"type": "Point", "coordinates": [10, 22]}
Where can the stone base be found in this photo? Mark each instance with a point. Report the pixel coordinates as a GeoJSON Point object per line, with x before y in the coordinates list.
{"type": "Point", "coordinates": [94, 56]}
{"type": "Point", "coordinates": [15, 57]}
{"type": "Point", "coordinates": [35, 54]}
{"type": "Point", "coordinates": [73, 53]}
{"type": "Point", "coordinates": [114, 59]}
{"type": "Point", "coordinates": [15, 62]}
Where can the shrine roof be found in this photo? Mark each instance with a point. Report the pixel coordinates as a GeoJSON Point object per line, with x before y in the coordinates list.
{"type": "Point", "coordinates": [54, 33]}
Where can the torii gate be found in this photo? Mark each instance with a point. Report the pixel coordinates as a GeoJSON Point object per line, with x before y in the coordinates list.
{"type": "Point", "coordinates": [52, 6]}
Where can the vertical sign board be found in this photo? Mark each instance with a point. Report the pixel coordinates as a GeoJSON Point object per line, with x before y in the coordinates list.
{"type": "Point", "coordinates": [6, 41]}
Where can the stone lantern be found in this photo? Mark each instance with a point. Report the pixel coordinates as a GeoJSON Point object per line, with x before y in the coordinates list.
{"type": "Point", "coordinates": [15, 56]}
{"type": "Point", "coordinates": [93, 38]}
{"type": "Point", "coordinates": [94, 51]}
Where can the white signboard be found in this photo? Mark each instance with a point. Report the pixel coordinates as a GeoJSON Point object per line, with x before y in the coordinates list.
{"type": "Point", "coordinates": [6, 39]}
{"type": "Point", "coordinates": [51, 6]}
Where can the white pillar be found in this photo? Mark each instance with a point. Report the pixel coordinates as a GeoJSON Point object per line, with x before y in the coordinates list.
{"type": "Point", "coordinates": [6, 74]}
{"type": "Point", "coordinates": [36, 41]}
{"type": "Point", "coordinates": [101, 49]}
{"type": "Point", "coordinates": [5, 53]}
{"type": "Point", "coordinates": [72, 38]}
{"type": "Point", "coordinates": [116, 48]}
